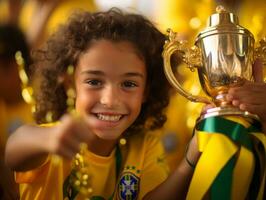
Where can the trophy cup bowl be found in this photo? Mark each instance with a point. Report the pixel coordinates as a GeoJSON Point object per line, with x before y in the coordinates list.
{"type": "Point", "coordinates": [223, 56]}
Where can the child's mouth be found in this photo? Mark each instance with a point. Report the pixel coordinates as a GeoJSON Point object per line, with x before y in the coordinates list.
{"type": "Point", "coordinates": [108, 118]}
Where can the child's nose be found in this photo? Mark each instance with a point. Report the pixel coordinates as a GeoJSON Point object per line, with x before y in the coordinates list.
{"type": "Point", "coordinates": [110, 97]}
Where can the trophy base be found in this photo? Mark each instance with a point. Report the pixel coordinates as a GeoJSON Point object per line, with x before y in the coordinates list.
{"type": "Point", "coordinates": [227, 111]}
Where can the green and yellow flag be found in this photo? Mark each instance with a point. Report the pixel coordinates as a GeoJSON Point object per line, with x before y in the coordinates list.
{"type": "Point", "coordinates": [232, 164]}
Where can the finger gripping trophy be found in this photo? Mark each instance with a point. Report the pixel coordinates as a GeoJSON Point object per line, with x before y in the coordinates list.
{"type": "Point", "coordinates": [229, 138]}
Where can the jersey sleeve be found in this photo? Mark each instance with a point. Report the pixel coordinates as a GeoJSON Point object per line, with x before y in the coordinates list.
{"type": "Point", "coordinates": [30, 176]}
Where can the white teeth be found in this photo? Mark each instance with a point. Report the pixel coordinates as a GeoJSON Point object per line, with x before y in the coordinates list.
{"type": "Point", "coordinates": [112, 118]}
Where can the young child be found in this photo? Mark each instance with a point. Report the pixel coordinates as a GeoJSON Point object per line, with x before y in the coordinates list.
{"type": "Point", "coordinates": [120, 92]}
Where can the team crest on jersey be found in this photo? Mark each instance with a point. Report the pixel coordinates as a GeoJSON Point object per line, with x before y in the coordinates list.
{"type": "Point", "coordinates": [128, 187]}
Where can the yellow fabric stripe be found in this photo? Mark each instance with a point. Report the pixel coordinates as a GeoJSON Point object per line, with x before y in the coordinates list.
{"type": "Point", "coordinates": [219, 149]}
{"type": "Point", "coordinates": [203, 139]}
{"type": "Point", "coordinates": [243, 173]}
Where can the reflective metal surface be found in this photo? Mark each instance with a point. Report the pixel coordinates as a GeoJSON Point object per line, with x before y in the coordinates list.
{"type": "Point", "coordinates": [223, 56]}
{"type": "Point", "coordinates": [227, 60]}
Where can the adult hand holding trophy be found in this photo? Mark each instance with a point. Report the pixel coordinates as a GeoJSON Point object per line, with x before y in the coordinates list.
{"type": "Point", "coordinates": [228, 137]}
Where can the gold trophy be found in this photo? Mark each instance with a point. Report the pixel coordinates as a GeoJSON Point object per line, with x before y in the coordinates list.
{"type": "Point", "coordinates": [223, 55]}
{"type": "Point", "coordinates": [228, 137]}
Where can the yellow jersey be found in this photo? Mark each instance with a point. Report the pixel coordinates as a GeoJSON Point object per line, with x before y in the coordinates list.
{"type": "Point", "coordinates": [143, 167]}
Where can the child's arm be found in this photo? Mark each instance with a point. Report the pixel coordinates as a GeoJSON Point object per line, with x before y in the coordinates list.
{"type": "Point", "coordinates": [25, 149]}
{"type": "Point", "coordinates": [176, 185]}
{"type": "Point", "coordinates": [29, 146]}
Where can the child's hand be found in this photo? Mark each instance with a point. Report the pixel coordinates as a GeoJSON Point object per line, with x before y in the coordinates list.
{"type": "Point", "coordinates": [252, 95]}
{"type": "Point", "coordinates": [65, 139]}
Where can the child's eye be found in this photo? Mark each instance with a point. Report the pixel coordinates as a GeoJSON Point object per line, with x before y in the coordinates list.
{"type": "Point", "coordinates": [94, 82]}
{"type": "Point", "coordinates": [129, 84]}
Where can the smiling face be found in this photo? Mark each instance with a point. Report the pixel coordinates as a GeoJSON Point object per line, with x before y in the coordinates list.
{"type": "Point", "coordinates": [110, 81]}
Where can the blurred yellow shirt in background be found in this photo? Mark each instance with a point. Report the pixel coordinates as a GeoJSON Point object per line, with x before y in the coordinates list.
{"type": "Point", "coordinates": [11, 117]}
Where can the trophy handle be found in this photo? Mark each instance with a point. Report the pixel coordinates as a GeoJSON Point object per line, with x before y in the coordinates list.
{"type": "Point", "coordinates": [192, 57]}
{"type": "Point", "coordinates": [260, 51]}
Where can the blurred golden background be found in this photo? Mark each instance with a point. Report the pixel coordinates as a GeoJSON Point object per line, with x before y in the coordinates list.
{"type": "Point", "coordinates": [39, 18]}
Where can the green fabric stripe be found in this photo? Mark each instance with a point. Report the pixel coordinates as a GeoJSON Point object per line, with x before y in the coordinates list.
{"type": "Point", "coordinates": [237, 132]}
{"type": "Point", "coordinates": [255, 183]}
{"type": "Point", "coordinates": [222, 187]}
{"type": "Point", "coordinates": [118, 161]}
{"type": "Point", "coordinates": [68, 190]}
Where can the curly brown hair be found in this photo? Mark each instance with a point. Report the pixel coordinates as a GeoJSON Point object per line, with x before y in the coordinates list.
{"type": "Point", "coordinates": [65, 46]}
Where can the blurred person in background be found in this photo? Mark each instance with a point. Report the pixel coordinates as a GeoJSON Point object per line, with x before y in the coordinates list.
{"type": "Point", "coordinates": [39, 18]}
{"type": "Point", "coordinates": [13, 110]}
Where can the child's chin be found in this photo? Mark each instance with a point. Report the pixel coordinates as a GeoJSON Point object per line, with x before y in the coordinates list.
{"type": "Point", "coordinates": [107, 136]}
